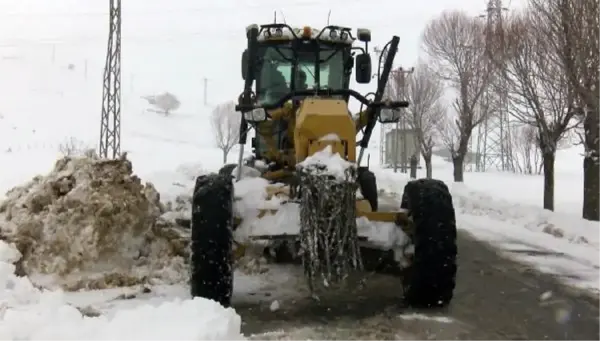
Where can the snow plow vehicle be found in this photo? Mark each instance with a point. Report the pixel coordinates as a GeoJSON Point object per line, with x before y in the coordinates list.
{"type": "Point", "coordinates": [315, 195]}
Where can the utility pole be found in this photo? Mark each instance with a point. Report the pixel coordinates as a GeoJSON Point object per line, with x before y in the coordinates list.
{"type": "Point", "coordinates": [85, 69]}
{"type": "Point", "coordinates": [401, 125]}
{"type": "Point", "coordinates": [205, 91]}
{"type": "Point", "coordinates": [110, 126]}
{"type": "Point", "coordinates": [383, 152]}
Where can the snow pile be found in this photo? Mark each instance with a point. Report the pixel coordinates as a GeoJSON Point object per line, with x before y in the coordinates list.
{"type": "Point", "coordinates": [283, 217]}
{"type": "Point", "coordinates": [328, 161]}
{"type": "Point", "coordinates": [92, 224]}
{"type": "Point", "coordinates": [27, 313]}
{"type": "Point", "coordinates": [253, 195]}
{"type": "Point", "coordinates": [577, 231]}
{"type": "Point", "coordinates": [383, 234]}
{"type": "Point", "coordinates": [176, 189]}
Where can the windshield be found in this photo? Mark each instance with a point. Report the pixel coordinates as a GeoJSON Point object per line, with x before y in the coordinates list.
{"type": "Point", "coordinates": [275, 79]}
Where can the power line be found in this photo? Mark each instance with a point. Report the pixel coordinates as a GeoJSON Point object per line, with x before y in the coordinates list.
{"type": "Point", "coordinates": [224, 36]}
{"type": "Point", "coordinates": [158, 11]}
{"type": "Point", "coordinates": [72, 41]}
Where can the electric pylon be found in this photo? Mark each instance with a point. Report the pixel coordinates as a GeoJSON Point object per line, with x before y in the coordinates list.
{"type": "Point", "coordinates": [110, 125]}
{"type": "Point", "coordinates": [493, 142]}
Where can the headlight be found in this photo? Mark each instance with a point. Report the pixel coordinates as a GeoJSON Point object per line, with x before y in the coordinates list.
{"type": "Point", "coordinates": [389, 115]}
{"type": "Point", "coordinates": [255, 115]}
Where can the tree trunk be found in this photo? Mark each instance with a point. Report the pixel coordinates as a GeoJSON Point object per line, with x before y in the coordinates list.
{"type": "Point", "coordinates": [591, 188]}
{"type": "Point", "coordinates": [225, 153]}
{"type": "Point", "coordinates": [428, 169]}
{"type": "Point", "coordinates": [458, 155]}
{"type": "Point", "coordinates": [458, 161]}
{"type": "Point", "coordinates": [548, 159]}
{"type": "Point", "coordinates": [591, 169]}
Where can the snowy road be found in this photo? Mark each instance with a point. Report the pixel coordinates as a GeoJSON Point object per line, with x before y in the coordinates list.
{"type": "Point", "coordinates": [496, 298]}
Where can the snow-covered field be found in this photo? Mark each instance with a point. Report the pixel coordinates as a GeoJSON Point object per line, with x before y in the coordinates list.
{"type": "Point", "coordinates": [485, 203]}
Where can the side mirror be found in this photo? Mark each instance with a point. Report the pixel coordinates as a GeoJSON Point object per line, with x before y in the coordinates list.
{"type": "Point", "coordinates": [363, 34]}
{"type": "Point", "coordinates": [245, 64]}
{"type": "Point", "coordinates": [387, 115]}
{"type": "Point", "coordinates": [363, 68]}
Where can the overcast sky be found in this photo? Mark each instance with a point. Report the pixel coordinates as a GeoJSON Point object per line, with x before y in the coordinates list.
{"type": "Point", "coordinates": [173, 44]}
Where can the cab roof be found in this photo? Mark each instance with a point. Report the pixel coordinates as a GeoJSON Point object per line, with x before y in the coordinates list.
{"type": "Point", "coordinates": [283, 32]}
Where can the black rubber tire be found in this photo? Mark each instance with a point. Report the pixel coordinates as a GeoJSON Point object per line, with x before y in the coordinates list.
{"type": "Point", "coordinates": [227, 169]}
{"type": "Point", "coordinates": [430, 280]}
{"type": "Point", "coordinates": [211, 263]}
{"type": "Point", "coordinates": [367, 183]}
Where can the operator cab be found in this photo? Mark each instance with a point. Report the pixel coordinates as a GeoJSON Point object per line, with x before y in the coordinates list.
{"type": "Point", "coordinates": [290, 60]}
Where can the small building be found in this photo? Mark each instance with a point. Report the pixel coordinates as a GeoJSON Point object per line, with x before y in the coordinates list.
{"type": "Point", "coordinates": [401, 152]}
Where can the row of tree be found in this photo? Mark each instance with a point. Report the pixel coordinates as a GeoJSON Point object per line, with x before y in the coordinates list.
{"type": "Point", "coordinates": [541, 64]}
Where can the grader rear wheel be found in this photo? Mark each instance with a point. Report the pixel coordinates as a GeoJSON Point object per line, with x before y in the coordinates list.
{"type": "Point", "coordinates": [367, 183]}
{"type": "Point", "coordinates": [227, 169]}
{"type": "Point", "coordinates": [431, 278]}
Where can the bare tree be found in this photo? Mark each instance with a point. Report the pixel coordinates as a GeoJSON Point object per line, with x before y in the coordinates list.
{"type": "Point", "coordinates": [424, 92]}
{"type": "Point", "coordinates": [74, 147]}
{"type": "Point", "coordinates": [166, 102]}
{"type": "Point", "coordinates": [537, 88]}
{"type": "Point", "coordinates": [573, 30]}
{"type": "Point", "coordinates": [226, 127]}
{"type": "Point", "coordinates": [526, 154]}
{"type": "Point", "coordinates": [455, 41]}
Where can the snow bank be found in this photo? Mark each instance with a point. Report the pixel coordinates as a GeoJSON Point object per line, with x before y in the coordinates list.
{"type": "Point", "coordinates": [92, 224]}
{"type": "Point", "coordinates": [575, 230]}
{"type": "Point", "coordinates": [27, 313]}
{"type": "Point", "coordinates": [472, 202]}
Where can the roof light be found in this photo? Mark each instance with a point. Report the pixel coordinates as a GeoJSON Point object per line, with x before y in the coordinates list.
{"type": "Point", "coordinates": [306, 32]}
{"type": "Point", "coordinates": [333, 34]}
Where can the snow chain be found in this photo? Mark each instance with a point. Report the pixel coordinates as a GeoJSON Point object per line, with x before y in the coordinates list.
{"type": "Point", "coordinates": [328, 232]}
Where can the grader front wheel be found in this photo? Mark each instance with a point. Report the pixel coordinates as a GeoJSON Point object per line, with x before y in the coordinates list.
{"type": "Point", "coordinates": [211, 263]}
{"type": "Point", "coordinates": [430, 280]}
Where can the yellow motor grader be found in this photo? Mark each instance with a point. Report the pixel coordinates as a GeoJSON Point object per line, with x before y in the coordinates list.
{"type": "Point", "coordinates": [296, 94]}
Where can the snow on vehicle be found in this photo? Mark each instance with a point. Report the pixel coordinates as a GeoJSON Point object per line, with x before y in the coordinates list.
{"type": "Point", "coordinates": [298, 192]}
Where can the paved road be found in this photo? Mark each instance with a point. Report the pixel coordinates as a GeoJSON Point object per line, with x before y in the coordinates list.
{"type": "Point", "coordinates": [495, 298]}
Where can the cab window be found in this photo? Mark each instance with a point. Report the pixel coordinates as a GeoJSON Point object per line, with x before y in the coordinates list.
{"type": "Point", "coordinates": [276, 70]}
